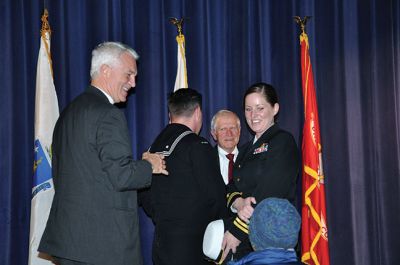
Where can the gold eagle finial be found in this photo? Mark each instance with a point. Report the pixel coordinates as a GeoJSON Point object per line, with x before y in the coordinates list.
{"type": "Point", "coordinates": [302, 22]}
{"type": "Point", "coordinates": [178, 23]}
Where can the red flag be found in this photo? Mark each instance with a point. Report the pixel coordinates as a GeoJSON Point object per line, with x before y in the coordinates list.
{"type": "Point", "coordinates": [314, 229]}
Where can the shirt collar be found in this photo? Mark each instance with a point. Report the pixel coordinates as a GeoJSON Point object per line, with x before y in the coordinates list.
{"type": "Point", "coordinates": [223, 152]}
{"type": "Point", "coordinates": [110, 99]}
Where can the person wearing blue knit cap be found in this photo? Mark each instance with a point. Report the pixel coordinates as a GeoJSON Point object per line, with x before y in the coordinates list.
{"type": "Point", "coordinates": [273, 232]}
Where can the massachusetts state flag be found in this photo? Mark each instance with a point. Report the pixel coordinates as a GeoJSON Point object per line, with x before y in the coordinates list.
{"type": "Point", "coordinates": [314, 229]}
{"type": "Point", "coordinates": [181, 74]}
{"type": "Point", "coordinates": [46, 114]}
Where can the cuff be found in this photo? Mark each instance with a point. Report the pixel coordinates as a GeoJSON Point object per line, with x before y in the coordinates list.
{"type": "Point", "coordinates": [231, 197]}
{"type": "Point", "coordinates": [239, 229]}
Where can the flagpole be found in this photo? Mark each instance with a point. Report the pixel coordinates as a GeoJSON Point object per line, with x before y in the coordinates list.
{"type": "Point", "coordinates": [314, 229]}
{"type": "Point", "coordinates": [46, 115]}
{"type": "Point", "coordinates": [181, 75]}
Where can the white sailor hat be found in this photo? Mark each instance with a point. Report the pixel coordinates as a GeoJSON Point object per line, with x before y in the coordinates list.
{"type": "Point", "coordinates": [212, 241]}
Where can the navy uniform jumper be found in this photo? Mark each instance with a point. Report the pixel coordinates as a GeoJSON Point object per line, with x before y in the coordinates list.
{"type": "Point", "coordinates": [184, 202]}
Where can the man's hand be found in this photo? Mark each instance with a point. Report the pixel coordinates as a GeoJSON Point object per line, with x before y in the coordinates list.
{"type": "Point", "coordinates": [157, 162]}
{"type": "Point", "coordinates": [229, 243]}
{"type": "Point", "coordinates": [244, 208]}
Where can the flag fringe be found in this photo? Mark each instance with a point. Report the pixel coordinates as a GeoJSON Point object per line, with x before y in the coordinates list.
{"type": "Point", "coordinates": [180, 39]}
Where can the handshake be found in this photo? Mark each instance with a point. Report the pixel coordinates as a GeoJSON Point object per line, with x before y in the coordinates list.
{"type": "Point", "coordinates": [157, 162]}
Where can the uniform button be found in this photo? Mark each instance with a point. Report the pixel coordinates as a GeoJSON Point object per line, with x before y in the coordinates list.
{"type": "Point", "coordinates": [237, 179]}
{"type": "Point", "coordinates": [239, 166]}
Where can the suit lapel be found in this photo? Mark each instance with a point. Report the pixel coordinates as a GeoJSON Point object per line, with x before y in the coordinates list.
{"type": "Point", "coordinates": [244, 152]}
{"type": "Point", "coordinates": [265, 138]}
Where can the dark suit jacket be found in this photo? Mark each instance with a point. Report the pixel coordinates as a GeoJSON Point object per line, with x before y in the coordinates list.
{"type": "Point", "coordinates": [93, 217]}
{"type": "Point", "coordinates": [184, 202]}
{"type": "Point", "coordinates": [267, 168]}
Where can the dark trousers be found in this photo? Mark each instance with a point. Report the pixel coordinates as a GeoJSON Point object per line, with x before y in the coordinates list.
{"type": "Point", "coordinates": [178, 247]}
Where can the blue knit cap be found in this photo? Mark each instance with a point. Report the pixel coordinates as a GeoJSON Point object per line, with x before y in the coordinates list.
{"type": "Point", "coordinates": [275, 223]}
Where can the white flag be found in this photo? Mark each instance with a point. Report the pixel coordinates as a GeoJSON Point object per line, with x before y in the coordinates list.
{"type": "Point", "coordinates": [46, 114]}
{"type": "Point", "coordinates": [181, 75]}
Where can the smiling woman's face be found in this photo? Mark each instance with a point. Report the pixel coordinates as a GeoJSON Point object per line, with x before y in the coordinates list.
{"type": "Point", "coordinates": [259, 113]}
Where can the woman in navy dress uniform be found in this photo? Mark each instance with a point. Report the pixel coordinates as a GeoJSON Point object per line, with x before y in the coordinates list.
{"type": "Point", "coordinates": [267, 166]}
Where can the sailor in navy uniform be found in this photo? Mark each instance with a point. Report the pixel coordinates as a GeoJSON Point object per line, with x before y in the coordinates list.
{"type": "Point", "coordinates": [193, 194]}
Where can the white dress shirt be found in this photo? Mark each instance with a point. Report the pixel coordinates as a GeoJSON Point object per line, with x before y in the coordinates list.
{"type": "Point", "coordinates": [224, 162]}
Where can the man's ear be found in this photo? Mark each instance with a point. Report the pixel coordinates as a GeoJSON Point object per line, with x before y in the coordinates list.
{"type": "Point", "coordinates": [198, 113]}
{"type": "Point", "coordinates": [214, 135]}
{"type": "Point", "coordinates": [105, 70]}
{"type": "Point", "coordinates": [198, 116]}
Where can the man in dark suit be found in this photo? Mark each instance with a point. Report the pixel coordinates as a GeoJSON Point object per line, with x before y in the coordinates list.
{"type": "Point", "coordinates": [182, 204]}
{"type": "Point", "coordinates": [93, 218]}
{"type": "Point", "coordinates": [225, 129]}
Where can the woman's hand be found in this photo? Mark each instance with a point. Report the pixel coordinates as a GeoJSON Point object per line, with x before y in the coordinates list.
{"type": "Point", "coordinates": [244, 208]}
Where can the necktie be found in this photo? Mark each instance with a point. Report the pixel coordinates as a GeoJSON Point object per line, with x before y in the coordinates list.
{"type": "Point", "coordinates": [230, 167]}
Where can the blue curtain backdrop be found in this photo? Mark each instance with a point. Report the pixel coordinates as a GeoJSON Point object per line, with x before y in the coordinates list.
{"type": "Point", "coordinates": [355, 50]}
